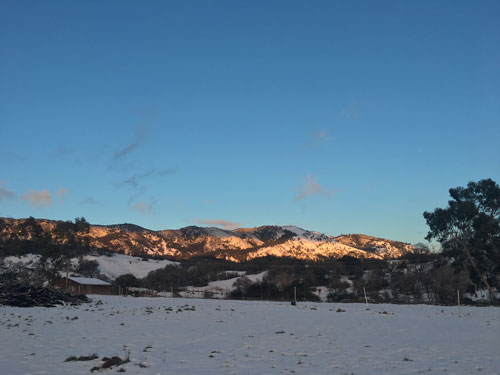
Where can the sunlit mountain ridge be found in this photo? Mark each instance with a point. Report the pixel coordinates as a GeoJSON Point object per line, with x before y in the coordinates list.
{"type": "Point", "coordinates": [236, 245]}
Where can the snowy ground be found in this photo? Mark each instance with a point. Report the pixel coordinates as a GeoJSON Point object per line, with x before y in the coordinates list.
{"type": "Point", "coordinates": [194, 336]}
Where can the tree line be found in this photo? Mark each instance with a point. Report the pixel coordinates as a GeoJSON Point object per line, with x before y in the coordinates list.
{"type": "Point", "coordinates": [468, 229]}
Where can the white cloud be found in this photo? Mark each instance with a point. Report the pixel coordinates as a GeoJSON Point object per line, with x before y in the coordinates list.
{"type": "Point", "coordinates": [318, 138]}
{"type": "Point", "coordinates": [321, 135]}
{"type": "Point", "coordinates": [6, 193]}
{"type": "Point", "coordinates": [312, 187]}
{"type": "Point", "coordinates": [224, 224]}
{"type": "Point", "coordinates": [38, 198]}
{"type": "Point", "coordinates": [143, 207]}
{"type": "Point", "coordinates": [351, 110]}
{"type": "Point", "coordinates": [61, 193]}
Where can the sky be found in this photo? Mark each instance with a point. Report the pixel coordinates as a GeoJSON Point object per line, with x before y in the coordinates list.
{"type": "Point", "coordinates": [339, 117]}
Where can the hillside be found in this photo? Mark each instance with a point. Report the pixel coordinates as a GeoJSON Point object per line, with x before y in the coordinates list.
{"type": "Point", "coordinates": [235, 245]}
{"type": "Point", "coordinates": [375, 245]}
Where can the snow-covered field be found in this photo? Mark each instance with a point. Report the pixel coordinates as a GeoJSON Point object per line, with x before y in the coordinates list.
{"type": "Point", "coordinates": [195, 336]}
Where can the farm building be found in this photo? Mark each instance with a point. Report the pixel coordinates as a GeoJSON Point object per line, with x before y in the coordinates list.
{"type": "Point", "coordinates": [85, 285]}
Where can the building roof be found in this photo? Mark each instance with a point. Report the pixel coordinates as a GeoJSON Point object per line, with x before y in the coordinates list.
{"type": "Point", "coordinates": [88, 281]}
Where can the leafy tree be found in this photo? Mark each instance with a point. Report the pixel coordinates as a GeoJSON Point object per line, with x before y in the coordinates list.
{"type": "Point", "coordinates": [241, 286]}
{"type": "Point", "coordinates": [30, 229]}
{"type": "Point", "coordinates": [81, 225]}
{"type": "Point", "coordinates": [282, 280]}
{"type": "Point", "coordinates": [337, 288]}
{"type": "Point", "coordinates": [405, 283]}
{"type": "Point", "coordinates": [469, 229]}
{"type": "Point", "coordinates": [127, 280]}
{"type": "Point", "coordinates": [64, 232]}
{"type": "Point", "coordinates": [52, 267]}
{"type": "Point", "coordinates": [88, 268]}
{"type": "Point", "coordinates": [420, 254]}
{"type": "Point", "coordinates": [72, 234]}
{"type": "Point", "coordinates": [446, 282]}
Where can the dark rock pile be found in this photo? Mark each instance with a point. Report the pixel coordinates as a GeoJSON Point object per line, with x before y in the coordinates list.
{"type": "Point", "coordinates": [23, 295]}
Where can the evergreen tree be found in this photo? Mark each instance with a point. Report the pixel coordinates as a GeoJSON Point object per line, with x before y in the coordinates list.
{"type": "Point", "coordinates": [469, 230]}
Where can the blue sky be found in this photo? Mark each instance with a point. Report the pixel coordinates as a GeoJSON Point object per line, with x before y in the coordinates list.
{"type": "Point", "coordinates": [340, 117]}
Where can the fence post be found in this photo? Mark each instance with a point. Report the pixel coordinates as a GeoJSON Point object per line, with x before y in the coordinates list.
{"type": "Point", "coordinates": [458, 301]}
{"type": "Point", "coordinates": [366, 299]}
{"type": "Point", "coordinates": [294, 302]}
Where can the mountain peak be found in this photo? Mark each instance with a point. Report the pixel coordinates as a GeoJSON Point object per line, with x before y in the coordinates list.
{"type": "Point", "coordinates": [237, 245]}
{"type": "Point", "coordinates": [127, 227]}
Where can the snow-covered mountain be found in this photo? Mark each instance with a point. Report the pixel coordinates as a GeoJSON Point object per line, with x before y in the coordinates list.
{"type": "Point", "coordinates": [236, 245]}
{"type": "Point", "coordinates": [374, 245]}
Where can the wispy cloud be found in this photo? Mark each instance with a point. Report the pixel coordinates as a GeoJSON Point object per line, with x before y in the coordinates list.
{"type": "Point", "coordinates": [12, 157]}
{"type": "Point", "coordinates": [138, 140]}
{"type": "Point", "coordinates": [62, 151]}
{"type": "Point", "coordinates": [91, 201]}
{"type": "Point", "coordinates": [40, 198]}
{"type": "Point", "coordinates": [316, 139]}
{"type": "Point", "coordinates": [6, 193]}
{"type": "Point", "coordinates": [143, 207]}
{"type": "Point", "coordinates": [136, 179]}
{"type": "Point", "coordinates": [130, 174]}
{"type": "Point", "coordinates": [312, 187]}
{"type": "Point", "coordinates": [61, 193]}
{"type": "Point", "coordinates": [321, 136]}
{"type": "Point", "coordinates": [224, 224]}
{"type": "Point", "coordinates": [351, 110]}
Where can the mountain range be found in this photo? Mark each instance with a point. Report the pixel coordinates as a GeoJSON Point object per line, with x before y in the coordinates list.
{"type": "Point", "coordinates": [235, 245]}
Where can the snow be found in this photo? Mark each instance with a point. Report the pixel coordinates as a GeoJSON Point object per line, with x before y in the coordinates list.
{"type": "Point", "coordinates": [88, 281]}
{"type": "Point", "coordinates": [217, 232]}
{"type": "Point", "coordinates": [257, 277]}
{"type": "Point", "coordinates": [228, 284]}
{"type": "Point", "coordinates": [27, 260]}
{"type": "Point", "coordinates": [299, 232]}
{"type": "Point", "coordinates": [219, 288]}
{"type": "Point", "coordinates": [322, 292]}
{"type": "Point", "coordinates": [306, 248]}
{"type": "Point", "coordinates": [309, 235]}
{"type": "Point", "coordinates": [194, 336]}
{"type": "Point", "coordinates": [111, 266]}
{"type": "Point", "coordinates": [119, 264]}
